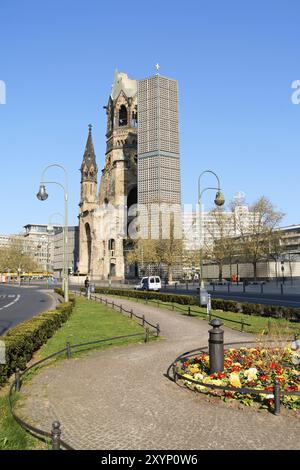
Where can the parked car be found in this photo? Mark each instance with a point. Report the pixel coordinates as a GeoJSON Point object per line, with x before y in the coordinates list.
{"type": "Point", "coordinates": [149, 283]}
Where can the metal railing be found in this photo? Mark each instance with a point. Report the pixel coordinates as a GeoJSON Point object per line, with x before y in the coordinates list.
{"type": "Point", "coordinates": [171, 306]}
{"type": "Point", "coordinates": [115, 306]}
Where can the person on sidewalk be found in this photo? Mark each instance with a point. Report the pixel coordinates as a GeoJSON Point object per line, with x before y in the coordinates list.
{"type": "Point", "coordinates": [87, 286]}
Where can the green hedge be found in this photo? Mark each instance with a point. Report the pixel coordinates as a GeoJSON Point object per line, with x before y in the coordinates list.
{"type": "Point", "coordinates": [27, 337]}
{"type": "Point", "coordinates": [150, 295]}
{"type": "Point", "coordinates": [289, 313]}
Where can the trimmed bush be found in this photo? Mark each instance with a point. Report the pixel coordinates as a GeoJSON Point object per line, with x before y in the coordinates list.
{"type": "Point", "coordinates": [27, 337]}
{"type": "Point", "coordinates": [150, 295]}
{"type": "Point", "coordinates": [292, 314]}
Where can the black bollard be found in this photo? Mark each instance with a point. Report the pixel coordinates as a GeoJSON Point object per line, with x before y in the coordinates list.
{"type": "Point", "coordinates": [55, 435]}
{"type": "Point", "coordinates": [276, 398]}
{"type": "Point", "coordinates": [68, 346]}
{"type": "Point", "coordinates": [216, 346]}
{"type": "Point", "coordinates": [18, 380]}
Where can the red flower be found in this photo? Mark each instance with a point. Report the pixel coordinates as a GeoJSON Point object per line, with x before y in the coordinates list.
{"type": "Point", "coordinates": [213, 376]}
{"type": "Point", "coordinates": [280, 379]}
{"type": "Point", "coordinates": [264, 377]}
{"type": "Point", "coordinates": [273, 365]}
{"type": "Point", "coordinates": [291, 388]}
{"type": "Point", "coordinates": [221, 375]}
{"type": "Point", "coordinates": [269, 388]}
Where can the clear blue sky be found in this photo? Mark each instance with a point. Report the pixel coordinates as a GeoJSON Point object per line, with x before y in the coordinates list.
{"type": "Point", "coordinates": [234, 61]}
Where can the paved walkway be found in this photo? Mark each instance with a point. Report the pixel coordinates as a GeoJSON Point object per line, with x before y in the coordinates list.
{"type": "Point", "coordinates": [120, 398]}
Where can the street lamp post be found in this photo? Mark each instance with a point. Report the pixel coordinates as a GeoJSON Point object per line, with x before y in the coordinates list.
{"type": "Point", "coordinates": [42, 196]}
{"type": "Point", "coordinates": [282, 271]}
{"type": "Point", "coordinates": [219, 201]}
{"type": "Point", "coordinates": [19, 268]}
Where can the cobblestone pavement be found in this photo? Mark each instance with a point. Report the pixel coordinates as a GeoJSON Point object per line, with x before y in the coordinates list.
{"type": "Point", "coordinates": [120, 398]}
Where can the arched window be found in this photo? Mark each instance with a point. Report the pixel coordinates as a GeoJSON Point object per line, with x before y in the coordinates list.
{"type": "Point", "coordinates": [134, 118]}
{"type": "Point", "coordinates": [88, 245]}
{"type": "Point", "coordinates": [123, 116]}
{"type": "Point", "coordinates": [111, 247]}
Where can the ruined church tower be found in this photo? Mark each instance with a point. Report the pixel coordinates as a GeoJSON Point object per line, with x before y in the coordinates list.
{"type": "Point", "coordinates": [118, 185]}
{"type": "Point", "coordinates": [88, 205]}
{"type": "Point", "coordinates": [103, 218]}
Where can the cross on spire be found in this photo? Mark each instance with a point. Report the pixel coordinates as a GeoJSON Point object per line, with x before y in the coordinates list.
{"type": "Point", "coordinates": [157, 66]}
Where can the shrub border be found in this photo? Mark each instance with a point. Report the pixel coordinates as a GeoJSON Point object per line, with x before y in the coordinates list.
{"type": "Point", "coordinates": [27, 337]}
{"type": "Point", "coordinates": [273, 311]}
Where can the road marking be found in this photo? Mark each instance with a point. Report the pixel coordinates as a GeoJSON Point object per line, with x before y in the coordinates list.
{"type": "Point", "coordinates": [11, 303]}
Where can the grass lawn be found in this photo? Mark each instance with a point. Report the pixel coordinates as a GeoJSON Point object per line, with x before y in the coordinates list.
{"type": "Point", "coordinates": [12, 436]}
{"type": "Point", "coordinates": [258, 324]}
{"type": "Point", "coordinates": [91, 321]}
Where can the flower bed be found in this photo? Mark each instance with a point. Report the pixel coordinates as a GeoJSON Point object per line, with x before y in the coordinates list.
{"type": "Point", "coordinates": [247, 368]}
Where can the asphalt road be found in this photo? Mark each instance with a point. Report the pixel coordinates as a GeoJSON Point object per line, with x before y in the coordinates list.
{"type": "Point", "coordinates": [270, 298]}
{"type": "Point", "coordinates": [21, 303]}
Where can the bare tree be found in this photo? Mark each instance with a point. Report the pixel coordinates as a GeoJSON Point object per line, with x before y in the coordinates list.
{"type": "Point", "coordinates": [220, 245]}
{"type": "Point", "coordinates": [165, 253]}
{"type": "Point", "coordinates": [276, 249]}
{"type": "Point", "coordinates": [257, 230]}
{"type": "Point", "coordinates": [15, 258]}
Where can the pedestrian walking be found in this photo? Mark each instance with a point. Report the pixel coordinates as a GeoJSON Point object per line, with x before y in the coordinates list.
{"type": "Point", "coordinates": [87, 286]}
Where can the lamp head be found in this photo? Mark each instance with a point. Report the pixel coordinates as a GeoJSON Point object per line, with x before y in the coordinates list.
{"type": "Point", "coordinates": [42, 195]}
{"type": "Point", "coordinates": [219, 199]}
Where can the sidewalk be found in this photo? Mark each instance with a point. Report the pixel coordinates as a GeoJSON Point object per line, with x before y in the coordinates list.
{"type": "Point", "coordinates": [121, 399]}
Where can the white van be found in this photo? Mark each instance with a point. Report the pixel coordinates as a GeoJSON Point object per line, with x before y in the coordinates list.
{"type": "Point", "coordinates": [149, 283]}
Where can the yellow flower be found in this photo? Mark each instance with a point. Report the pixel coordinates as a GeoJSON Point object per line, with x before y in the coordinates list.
{"type": "Point", "coordinates": [194, 369]}
{"type": "Point", "coordinates": [251, 374]}
{"type": "Point", "coordinates": [210, 380]}
{"type": "Point", "coordinates": [187, 376]}
{"type": "Point", "coordinates": [234, 379]}
{"type": "Point", "coordinates": [252, 350]}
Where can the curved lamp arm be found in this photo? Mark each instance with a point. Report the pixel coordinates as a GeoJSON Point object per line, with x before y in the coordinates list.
{"type": "Point", "coordinates": [56, 165]}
